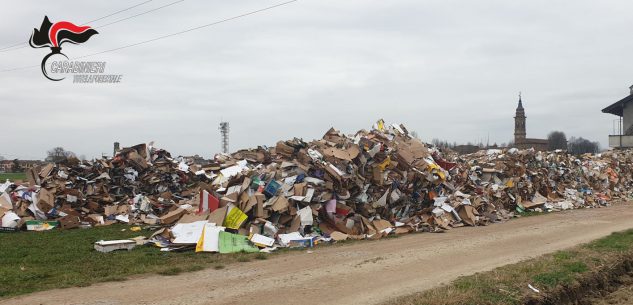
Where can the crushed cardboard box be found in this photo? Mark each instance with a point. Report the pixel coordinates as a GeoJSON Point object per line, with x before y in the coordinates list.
{"type": "Point", "coordinates": [364, 185]}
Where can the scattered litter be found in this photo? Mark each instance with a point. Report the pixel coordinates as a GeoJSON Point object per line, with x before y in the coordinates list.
{"type": "Point", "coordinates": [41, 225]}
{"type": "Point", "coordinates": [112, 245]}
{"type": "Point", "coordinates": [534, 289]}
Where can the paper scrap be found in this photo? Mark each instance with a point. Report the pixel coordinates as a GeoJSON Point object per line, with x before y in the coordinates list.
{"type": "Point", "coordinates": [234, 218]}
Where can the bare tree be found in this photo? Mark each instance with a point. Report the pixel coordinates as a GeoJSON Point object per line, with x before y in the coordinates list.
{"type": "Point", "coordinates": [557, 140]}
{"type": "Point", "coordinates": [58, 154]}
{"type": "Point", "coordinates": [581, 145]}
{"type": "Point", "coordinates": [439, 143]}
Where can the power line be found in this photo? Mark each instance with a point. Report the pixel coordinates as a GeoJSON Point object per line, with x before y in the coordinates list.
{"type": "Point", "coordinates": [117, 12]}
{"type": "Point", "coordinates": [22, 44]}
{"type": "Point", "coordinates": [20, 68]}
{"type": "Point", "coordinates": [189, 30]}
{"type": "Point", "coordinates": [139, 14]}
{"type": "Point", "coordinates": [168, 35]}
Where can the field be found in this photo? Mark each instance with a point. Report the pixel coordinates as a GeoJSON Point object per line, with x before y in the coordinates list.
{"type": "Point", "coordinates": [12, 176]}
{"type": "Point", "coordinates": [34, 261]}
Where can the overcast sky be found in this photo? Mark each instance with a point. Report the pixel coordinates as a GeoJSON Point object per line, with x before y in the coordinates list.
{"type": "Point", "coordinates": [447, 69]}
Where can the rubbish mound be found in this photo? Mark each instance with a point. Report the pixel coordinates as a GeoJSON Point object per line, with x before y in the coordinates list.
{"type": "Point", "coordinates": [298, 194]}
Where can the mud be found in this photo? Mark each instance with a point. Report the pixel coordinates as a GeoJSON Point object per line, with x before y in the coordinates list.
{"type": "Point", "coordinates": [613, 284]}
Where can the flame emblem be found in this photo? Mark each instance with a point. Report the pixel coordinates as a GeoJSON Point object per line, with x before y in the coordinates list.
{"type": "Point", "coordinates": [53, 35]}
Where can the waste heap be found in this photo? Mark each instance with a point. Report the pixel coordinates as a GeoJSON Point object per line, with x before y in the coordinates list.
{"type": "Point", "coordinates": [366, 185]}
{"type": "Point", "coordinates": [549, 180]}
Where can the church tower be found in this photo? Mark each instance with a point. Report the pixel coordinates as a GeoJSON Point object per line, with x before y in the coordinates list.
{"type": "Point", "coordinates": [519, 124]}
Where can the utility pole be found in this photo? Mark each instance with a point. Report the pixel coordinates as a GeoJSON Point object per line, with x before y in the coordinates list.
{"type": "Point", "coordinates": [224, 132]}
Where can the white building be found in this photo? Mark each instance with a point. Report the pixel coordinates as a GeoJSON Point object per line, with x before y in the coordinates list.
{"type": "Point", "coordinates": [624, 109]}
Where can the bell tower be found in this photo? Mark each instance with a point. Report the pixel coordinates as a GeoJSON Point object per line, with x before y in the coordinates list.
{"type": "Point", "coordinates": [519, 123]}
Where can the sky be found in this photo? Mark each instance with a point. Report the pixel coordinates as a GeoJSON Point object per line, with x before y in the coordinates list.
{"type": "Point", "coordinates": [450, 70]}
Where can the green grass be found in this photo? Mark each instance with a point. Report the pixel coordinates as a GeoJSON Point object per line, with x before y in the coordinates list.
{"type": "Point", "coordinates": [564, 255]}
{"type": "Point", "coordinates": [12, 177]}
{"type": "Point", "coordinates": [487, 290]}
{"type": "Point", "coordinates": [616, 242]}
{"type": "Point", "coordinates": [508, 284]}
{"type": "Point", "coordinates": [36, 261]}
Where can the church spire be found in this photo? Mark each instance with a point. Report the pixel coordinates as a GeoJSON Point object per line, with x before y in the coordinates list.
{"type": "Point", "coordinates": [519, 123]}
{"type": "Point", "coordinates": [520, 102]}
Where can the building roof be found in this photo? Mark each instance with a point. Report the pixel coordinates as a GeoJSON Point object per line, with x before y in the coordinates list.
{"type": "Point", "coordinates": [617, 108]}
{"type": "Point", "coordinates": [520, 107]}
{"type": "Point", "coordinates": [534, 141]}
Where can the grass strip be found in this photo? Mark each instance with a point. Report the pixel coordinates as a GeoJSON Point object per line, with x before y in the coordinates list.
{"type": "Point", "coordinates": [37, 261]}
{"type": "Point", "coordinates": [509, 284]}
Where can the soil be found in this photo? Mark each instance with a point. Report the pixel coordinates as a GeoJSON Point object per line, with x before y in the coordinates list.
{"type": "Point", "coordinates": [610, 284]}
{"type": "Point", "coordinates": [623, 295]}
{"type": "Point", "coordinates": [368, 272]}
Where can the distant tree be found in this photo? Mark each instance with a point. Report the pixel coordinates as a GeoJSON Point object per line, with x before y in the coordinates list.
{"type": "Point", "coordinates": [1, 158]}
{"type": "Point", "coordinates": [414, 134]}
{"type": "Point", "coordinates": [557, 140]}
{"type": "Point", "coordinates": [58, 154]}
{"type": "Point", "coordinates": [15, 166]}
{"type": "Point", "coordinates": [581, 145]}
{"type": "Point", "coordinates": [441, 143]}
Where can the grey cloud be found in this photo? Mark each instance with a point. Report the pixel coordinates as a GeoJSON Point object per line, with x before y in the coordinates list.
{"type": "Point", "coordinates": [447, 69]}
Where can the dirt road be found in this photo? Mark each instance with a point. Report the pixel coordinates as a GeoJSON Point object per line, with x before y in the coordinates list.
{"type": "Point", "coordinates": [358, 273]}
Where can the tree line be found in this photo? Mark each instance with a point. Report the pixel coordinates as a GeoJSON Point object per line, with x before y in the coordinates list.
{"type": "Point", "coordinates": [575, 145]}
{"type": "Point", "coordinates": [556, 140]}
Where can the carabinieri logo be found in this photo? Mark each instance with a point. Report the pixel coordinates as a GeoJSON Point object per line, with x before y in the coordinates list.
{"type": "Point", "coordinates": [53, 35]}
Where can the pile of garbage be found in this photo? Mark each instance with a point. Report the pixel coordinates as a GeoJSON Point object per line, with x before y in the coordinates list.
{"type": "Point", "coordinates": [297, 194]}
